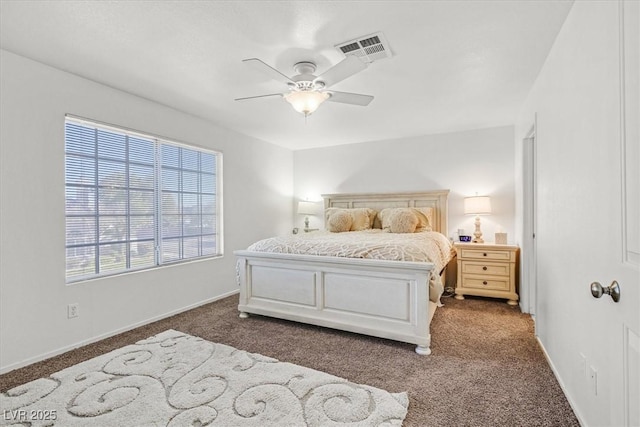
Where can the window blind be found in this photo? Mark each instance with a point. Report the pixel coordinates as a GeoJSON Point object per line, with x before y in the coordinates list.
{"type": "Point", "coordinates": [134, 201]}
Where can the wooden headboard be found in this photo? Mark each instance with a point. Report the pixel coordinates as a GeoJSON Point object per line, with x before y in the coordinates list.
{"type": "Point", "coordinates": [437, 200]}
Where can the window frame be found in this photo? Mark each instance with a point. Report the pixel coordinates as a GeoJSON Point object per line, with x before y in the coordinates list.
{"type": "Point", "coordinates": [209, 165]}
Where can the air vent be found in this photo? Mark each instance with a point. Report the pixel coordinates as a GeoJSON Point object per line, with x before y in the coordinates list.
{"type": "Point", "coordinates": [368, 48]}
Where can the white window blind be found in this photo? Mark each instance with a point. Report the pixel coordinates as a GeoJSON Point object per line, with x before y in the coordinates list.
{"type": "Point", "coordinates": [135, 201]}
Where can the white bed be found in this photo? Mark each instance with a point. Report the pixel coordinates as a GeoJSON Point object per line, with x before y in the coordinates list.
{"type": "Point", "coordinates": [382, 298]}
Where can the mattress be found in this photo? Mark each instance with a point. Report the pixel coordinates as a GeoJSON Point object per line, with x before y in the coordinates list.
{"type": "Point", "coordinates": [426, 246]}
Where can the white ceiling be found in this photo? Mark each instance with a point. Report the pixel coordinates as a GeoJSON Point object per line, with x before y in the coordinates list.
{"type": "Point", "coordinates": [456, 65]}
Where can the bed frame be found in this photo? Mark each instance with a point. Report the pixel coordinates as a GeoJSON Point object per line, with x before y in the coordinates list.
{"type": "Point", "coordinates": [387, 299]}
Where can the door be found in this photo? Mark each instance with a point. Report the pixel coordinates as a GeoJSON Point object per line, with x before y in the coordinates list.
{"type": "Point", "coordinates": [625, 262]}
{"type": "Point", "coordinates": [588, 209]}
{"type": "Point", "coordinates": [529, 265]}
{"type": "Point", "coordinates": [616, 326]}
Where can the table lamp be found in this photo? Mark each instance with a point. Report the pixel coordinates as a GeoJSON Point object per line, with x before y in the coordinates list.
{"type": "Point", "coordinates": [477, 205]}
{"type": "Point", "coordinates": [307, 208]}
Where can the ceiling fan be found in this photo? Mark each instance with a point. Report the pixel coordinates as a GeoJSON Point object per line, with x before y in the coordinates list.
{"type": "Point", "coordinates": [305, 91]}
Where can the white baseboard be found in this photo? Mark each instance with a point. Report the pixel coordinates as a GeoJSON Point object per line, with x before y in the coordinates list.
{"type": "Point", "coordinates": [562, 386]}
{"type": "Point", "coordinates": [47, 355]}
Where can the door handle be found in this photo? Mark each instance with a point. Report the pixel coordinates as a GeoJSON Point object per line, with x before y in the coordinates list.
{"type": "Point", "coordinates": [613, 290]}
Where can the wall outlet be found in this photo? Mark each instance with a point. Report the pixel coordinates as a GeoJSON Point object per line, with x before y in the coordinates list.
{"type": "Point", "coordinates": [72, 310]}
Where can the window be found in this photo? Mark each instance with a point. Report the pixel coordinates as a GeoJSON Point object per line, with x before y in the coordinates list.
{"type": "Point", "coordinates": [134, 201]}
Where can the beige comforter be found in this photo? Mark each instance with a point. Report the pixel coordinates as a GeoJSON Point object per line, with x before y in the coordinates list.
{"type": "Point", "coordinates": [427, 246]}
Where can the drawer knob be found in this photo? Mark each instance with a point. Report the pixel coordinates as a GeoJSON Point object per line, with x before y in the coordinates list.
{"type": "Point", "coordinates": [484, 268]}
{"type": "Point", "coordinates": [484, 283]}
{"type": "Point", "coordinates": [484, 254]}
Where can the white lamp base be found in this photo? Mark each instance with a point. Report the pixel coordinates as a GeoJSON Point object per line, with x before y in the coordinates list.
{"type": "Point", "coordinates": [306, 226]}
{"type": "Point", "coordinates": [477, 234]}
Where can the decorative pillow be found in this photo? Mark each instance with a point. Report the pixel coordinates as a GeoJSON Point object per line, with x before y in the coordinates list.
{"type": "Point", "coordinates": [361, 218]}
{"type": "Point", "coordinates": [405, 220]}
{"type": "Point", "coordinates": [339, 222]}
{"type": "Point", "coordinates": [383, 217]}
{"type": "Point", "coordinates": [425, 218]}
{"type": "Point", "coordinates": [378, 221]}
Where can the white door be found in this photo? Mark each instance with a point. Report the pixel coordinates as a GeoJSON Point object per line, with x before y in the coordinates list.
{"type": "Point", "coordinates": [630, 231]}
{"type": "Point", "coordinates": [588, 209]}
{"type": "Point", "coordinates": [622, 319]}
{"type": "Point", "coordinates": [590, 215]}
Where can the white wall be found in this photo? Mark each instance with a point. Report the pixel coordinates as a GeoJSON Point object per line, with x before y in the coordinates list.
{"type": "Point", "coordinates": [576, 101]}
{"type": "Point", "coordinates": [33, 293]}
{"type": "Point", "coordinates": [465, 163]}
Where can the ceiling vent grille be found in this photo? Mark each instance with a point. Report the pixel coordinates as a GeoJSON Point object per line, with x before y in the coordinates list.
{"type": "Point", "coordinates": [368, 48]}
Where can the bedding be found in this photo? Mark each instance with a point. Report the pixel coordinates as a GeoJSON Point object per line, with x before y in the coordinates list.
{"type": "Point", "coordinates": [426, 246]}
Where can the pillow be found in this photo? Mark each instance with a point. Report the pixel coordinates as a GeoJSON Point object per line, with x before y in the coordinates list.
{"type": "Point", "coordinates": [361, 218]}
{"type": "Point", "coordinates": [378, 222]}
{"type": "Point", "coordinates": [339, 222]}
{"type": "Point", "coordinates": [425, 218]}
{"type": "Point", "coordinates": [405, 220]}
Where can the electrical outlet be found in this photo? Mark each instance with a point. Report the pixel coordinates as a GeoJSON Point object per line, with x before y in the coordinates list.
{"type": "Point", "coordinates": [72, 310]}
{"type": "Point", "coordinates": [593, 379]}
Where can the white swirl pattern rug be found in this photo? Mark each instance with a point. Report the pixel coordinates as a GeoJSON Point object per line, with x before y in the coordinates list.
{"type": "Point", "coordinates": [175, 379]}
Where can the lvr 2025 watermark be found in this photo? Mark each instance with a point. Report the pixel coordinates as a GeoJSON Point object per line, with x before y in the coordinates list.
{"type": "Point", "coordinates": [30, 415]}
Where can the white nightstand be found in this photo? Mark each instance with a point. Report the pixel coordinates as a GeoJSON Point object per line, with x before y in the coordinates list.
{"type": "Point", "coordinates": [487, 270]}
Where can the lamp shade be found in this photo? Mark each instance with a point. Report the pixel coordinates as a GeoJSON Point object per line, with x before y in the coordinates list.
{"type": "Point", "coordinates": [306, 101]}
{"type": "Point", "coordinates": [477, 205]}
{"type": "Point", "coordinates": [307, 208]}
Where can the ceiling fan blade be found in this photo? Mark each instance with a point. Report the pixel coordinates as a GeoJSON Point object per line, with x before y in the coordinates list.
{"type": "Point", "coordinates": [343, 69]}
{"type": "Point", "coordinates": [258, 96]}
{"type": "Point", "coordinates": [267, 69]}
{"type": "Point", "coordinates": [350, 98]}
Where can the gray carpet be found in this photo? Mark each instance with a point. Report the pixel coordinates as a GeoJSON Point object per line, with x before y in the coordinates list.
{"type": "Point", "coordinates": [486, 368]}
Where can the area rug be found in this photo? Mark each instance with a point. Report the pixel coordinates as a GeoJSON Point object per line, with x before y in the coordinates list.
{"type": "Point", "coordinates": [175, 379]}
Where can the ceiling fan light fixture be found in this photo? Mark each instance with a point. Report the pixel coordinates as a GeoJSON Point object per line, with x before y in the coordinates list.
{"type": "Point", "coordinates": [306, 101]}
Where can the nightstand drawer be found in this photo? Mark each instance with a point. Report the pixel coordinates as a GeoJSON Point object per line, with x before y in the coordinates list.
{"type": "Point", "coordinates": [486, 282]}
{"type": "Point", "coordinates": [489, 268]}
{"type": "Point", "coordinates": [487, 254]}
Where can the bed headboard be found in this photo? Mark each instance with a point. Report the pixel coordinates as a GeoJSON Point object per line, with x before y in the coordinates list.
{"type": "Point", "coordinates": [437, 200]}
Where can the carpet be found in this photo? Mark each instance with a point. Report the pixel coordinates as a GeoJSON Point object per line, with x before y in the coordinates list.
{"type": "Point", "coordinates": [175, 379]}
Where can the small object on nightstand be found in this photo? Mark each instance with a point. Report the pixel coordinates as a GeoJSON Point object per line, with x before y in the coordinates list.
{"type": "Point", "coordinates": [487, 270]}
{"type": "Point", "coordinates": [501, 238]}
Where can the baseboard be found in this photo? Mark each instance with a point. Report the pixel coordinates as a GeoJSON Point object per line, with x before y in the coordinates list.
{"type": "Point", "coordinates": [44, 356]}
{"type": "Point", "coordinates": [574, 407]}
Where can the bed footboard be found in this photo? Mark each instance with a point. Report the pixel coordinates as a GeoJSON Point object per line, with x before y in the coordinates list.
{"type": "Point", "coordinates": [386, 299]}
